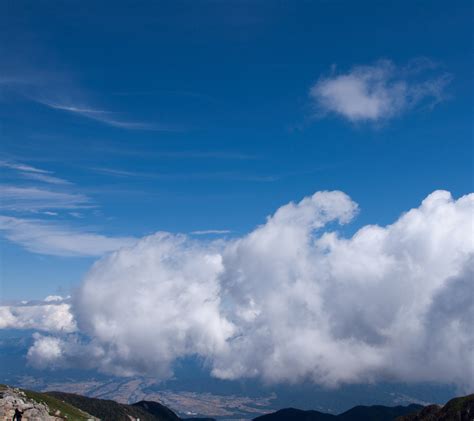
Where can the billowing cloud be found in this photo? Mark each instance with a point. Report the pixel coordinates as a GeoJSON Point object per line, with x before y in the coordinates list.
{"type": "Point", "coordinates": [46, 351]}
{"type": "Point", "coordinates": [379, 91]}
{"type": "Point", "coordinates": [52, 315]}
{"type": "Point", "coordinates": [293, 300]}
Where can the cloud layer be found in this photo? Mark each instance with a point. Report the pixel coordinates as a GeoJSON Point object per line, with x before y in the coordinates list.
{"type": "Point", "coordinates": [293, 300]}
{"type": "Point", "coordinates": [379, 91]}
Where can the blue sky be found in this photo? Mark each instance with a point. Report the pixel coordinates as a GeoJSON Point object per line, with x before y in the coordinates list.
{"type": "Point", "coordinates": [238, 124]}
{"type": "Point", "coordinates": [183, 117]}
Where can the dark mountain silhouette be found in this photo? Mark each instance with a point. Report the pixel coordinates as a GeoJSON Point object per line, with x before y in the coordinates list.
{"type": "Point", "coordinates": [297, 415]}
{"type": "Point", "coordinates": [358, 413]}
{"type": "Point", "coordinates": [457, 409]}
{"type": "Point", "coordinates": [377, 412]}
{"type": "Point", "coordinates": [157, 409]}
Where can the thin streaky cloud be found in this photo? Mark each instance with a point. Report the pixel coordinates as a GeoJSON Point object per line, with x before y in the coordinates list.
{"type": "Point", "coordinates": [181, 154]}
{"type": "Point", "coordinates": [231, 176]}
{"type": "Point", "coordinates": [47, 238]}
{"type": "Point", "coordinates": [119, 173]}
{"type": "Point", "coordinates": [49, 213]}
{"type": "Point", "coordinates": [22, 167]}
{"type": "Point", "coordinates": [45, 178]}
{"type": "Point", "coordinates": [206, 232]}
{"type": "Point", "coordinates": [33, 173]}
{"type": "Point", "coordinates": [73, 109]}
{"type": "Point", "coordinates": [103, 116]}
{"type": "Point", "coordinates": [211, 154]}
{"type": "Point", "coordinates": [32, 199]}
{"type": "Point", "coordinates": [71, 100]}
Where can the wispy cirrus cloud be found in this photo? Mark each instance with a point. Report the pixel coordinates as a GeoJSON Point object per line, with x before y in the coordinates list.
{"type": "Point", "coordinates": [109, 118]}
{"type": "Point", "coordinates": [60, 94]}
{"type": "Point", "coordinates": [380, 91]}
{"type": "Point", "coordinates": [210, 232]}
{"type": "Point", "coordinates": [33, 199]}
{"type": "Point", "coordinates": [54, 239]}
{"type": "Point", "coordinates": [179, 154]}
{"type": "Point", "coordinates": [33, 173]}
{"type": "Point", "coordinates": [221, 175]}
{"type": "Point", "coordinates": [45, 178]}
{"type": "Point", "coordinates": [18, 166]}
{"type": "Point", "coordinates": [46, 236]}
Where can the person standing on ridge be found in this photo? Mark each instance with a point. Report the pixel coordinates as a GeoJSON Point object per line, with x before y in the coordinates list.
{"type": "Point", "coordinates": [18, 415]}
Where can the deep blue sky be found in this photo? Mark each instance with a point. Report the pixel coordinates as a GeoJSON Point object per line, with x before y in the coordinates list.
{"type": "Point", "coordinates": [191, 116]}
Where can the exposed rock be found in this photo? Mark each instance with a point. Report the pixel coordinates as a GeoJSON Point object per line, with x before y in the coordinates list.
{"type": "Point", "coordinates": [12, 398]}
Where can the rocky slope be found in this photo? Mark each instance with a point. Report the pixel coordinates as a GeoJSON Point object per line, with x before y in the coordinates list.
{"type": "Point", "coordinates": [37, 406]}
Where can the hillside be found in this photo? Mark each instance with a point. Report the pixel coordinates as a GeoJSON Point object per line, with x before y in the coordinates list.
{"type": "Point", "coordinates": [37, 406]}
{"type": "Point", "coordinates": [111, 410]}
{"type": "Point", "coordinates": [358, 413]}
{"type": "Point", "coordinates": [457, 409]}
{"type": "Point", "coordinates": [108, 410]}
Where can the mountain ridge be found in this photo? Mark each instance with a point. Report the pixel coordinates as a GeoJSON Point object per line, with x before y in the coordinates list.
{"type": "Point", "coordinates": [60, 406]}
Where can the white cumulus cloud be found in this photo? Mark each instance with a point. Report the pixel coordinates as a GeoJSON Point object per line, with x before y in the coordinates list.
{"type": "Point", "coordinates": [379, 91]}
{"type": "Point", "coordinates": [293, 300]}
{"type": "Point", "coordinates": [44, 316]}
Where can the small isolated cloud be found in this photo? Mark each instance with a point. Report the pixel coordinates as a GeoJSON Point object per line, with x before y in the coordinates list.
{"type": "Point", "coordinates": [379, 91]}
{"type": "Point", "coordinates": [293, 300]}
{"type": "Point", "coordinates": [48, 238]}
{"type": "Point", "coordinates": [46, 352]}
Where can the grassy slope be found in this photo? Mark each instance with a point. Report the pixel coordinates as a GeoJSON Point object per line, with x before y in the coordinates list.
{"type": "Point", "coordinates": [104, 409]}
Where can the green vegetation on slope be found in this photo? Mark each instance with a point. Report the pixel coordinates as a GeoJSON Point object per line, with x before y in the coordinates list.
{"type": "Point", "coordinates": [108, 410]}
{"type": "Point", "coordinates": [65, 409]}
